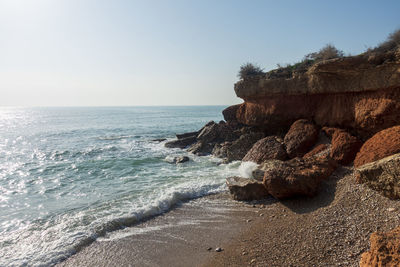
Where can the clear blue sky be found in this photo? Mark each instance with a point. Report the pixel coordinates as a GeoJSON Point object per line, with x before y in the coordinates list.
{"type": "Point", "coordinates": [95, 53]}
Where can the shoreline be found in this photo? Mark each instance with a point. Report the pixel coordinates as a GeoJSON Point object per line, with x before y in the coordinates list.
{"type": "Point", "coordinates": [331, 229]}
{"type": "Point", "coordinates": [190, 231]}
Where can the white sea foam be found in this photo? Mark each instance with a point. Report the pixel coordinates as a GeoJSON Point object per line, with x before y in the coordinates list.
{"type": "Point", "coordinates": [246, 169]}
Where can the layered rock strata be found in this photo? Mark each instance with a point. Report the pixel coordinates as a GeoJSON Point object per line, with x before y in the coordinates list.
{"type": "Point", "coordinates": [351, 93]}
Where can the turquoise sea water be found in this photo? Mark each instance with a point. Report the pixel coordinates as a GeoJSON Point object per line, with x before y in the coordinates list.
{"type": "Point", "coordinates": [71, 175]}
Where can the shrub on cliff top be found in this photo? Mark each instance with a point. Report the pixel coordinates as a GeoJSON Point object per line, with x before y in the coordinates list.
{"type": "Point", "coordinates": [327, 52]}
{"type": "Point", "coordinates": [249, 70]}
{"type": "Point", "coordinates": [391, 43]}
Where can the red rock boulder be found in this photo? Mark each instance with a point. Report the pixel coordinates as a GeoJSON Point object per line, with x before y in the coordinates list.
{"type": "Point", "coordinates": [301, 136]}
{"type": "Point", "coordinates": [385, 250]}
{"type": "Point", "coordinates": [381, 145]}
{"type": "Point", "coordinates": [344, 147]}
{"type": "Point", "coordinates": [270, 147]}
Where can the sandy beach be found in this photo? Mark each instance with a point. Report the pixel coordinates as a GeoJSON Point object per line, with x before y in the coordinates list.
{"type": "Point", "coordinates": [331, 229]}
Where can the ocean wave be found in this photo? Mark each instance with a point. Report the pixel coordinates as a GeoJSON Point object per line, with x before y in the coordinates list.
{"type": "Point", "coordinates": [117, 137]}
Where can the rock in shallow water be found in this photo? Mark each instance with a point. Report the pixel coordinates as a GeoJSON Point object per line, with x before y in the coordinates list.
{"type": "Point", "coordinates": [382, 175]}
{"type": "Point", "coordinates": [178, 159]}
{"type": "Point", "coordinates": [246, 189]}
{"type": "Point", "coordinates": [181, 143]}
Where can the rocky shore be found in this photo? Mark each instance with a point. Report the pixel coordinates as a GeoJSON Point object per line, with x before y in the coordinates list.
{"type": "Point", "coordinates": [305, 133]}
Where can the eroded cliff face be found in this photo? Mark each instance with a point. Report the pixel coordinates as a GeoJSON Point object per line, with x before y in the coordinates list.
{"type": "Point", "coordinates": [355, 93]}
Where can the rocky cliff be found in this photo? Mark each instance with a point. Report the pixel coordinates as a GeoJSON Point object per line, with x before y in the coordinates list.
{"type": "Point", "coordinates": [358, 93]}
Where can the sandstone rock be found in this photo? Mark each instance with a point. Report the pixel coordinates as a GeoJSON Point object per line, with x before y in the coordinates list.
{"type": "Point", "coordinates": [181, 143]}
{"type": "Point", "coordinates": [201, 148]}
{"type": "Point", "coordinates": [296, 177]}
{"type": "Point", "coordinates": [316, 151]}
{"type": "Point", "coordinates": [382, 175]}
{"type": "Point", "coordinates": [239, 148]}
{"type": "Point", "coordinates": [385, 250]}
{"type": "Point", "coordinates": [301, 136]}
{"type": "Point", "coordinates": [344, 147]}
{"type": "Point", "coordinates": [230, 113]}
{"type": "Point", "coordinates": [349, 93]}
{"type": "Point", "coordinates": [270, 147]}
{"type": "Point", "coordinates": [246, 189]}
{"type": "Point", "coordinates": [382, 144]}
{"type": "Point", "coordinates": [209, 133]}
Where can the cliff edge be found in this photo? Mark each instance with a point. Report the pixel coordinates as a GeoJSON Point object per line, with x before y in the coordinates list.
{"type": "Point", "coordinates": [358, 93]}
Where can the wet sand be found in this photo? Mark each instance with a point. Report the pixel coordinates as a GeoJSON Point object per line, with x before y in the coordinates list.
{"type": "Point", "coordinates": [186, 236]}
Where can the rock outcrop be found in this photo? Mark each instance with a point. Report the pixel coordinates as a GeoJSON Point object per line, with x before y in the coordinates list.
{"type": "Point", "coordinates": [270, 147]}
{"type": "Point", "coordinates": [385, 250]}
{"type": "Point", "coordinates": [382, 144]}
{"type": "Point", "coordinates": [245, 188]}
{"type": "Point", "coordinates": [230, 113]}
{"type": "Point", "coordinates": [382, 175]}
{"type": "Point", "coordinates": [296, 177]}
{"type": "Point", "coordinates": [350, 93]}
{"type": "Point", "coordinates": [301, 136]}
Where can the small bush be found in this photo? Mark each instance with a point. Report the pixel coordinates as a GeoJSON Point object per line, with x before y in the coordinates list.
{"type": "Point", "coordinates": [249, 70]}
{"type": "Point", "coordinates": [392, 42]}
{"type": "Point", "coordinates": [327, 52]}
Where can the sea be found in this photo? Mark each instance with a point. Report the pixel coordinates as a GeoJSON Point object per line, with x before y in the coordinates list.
{"type": "Point", "coordinates": [71, 175]}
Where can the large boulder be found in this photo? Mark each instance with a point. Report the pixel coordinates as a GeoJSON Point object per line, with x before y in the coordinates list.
{"type": "Point", "coordinates": [245, 188]}
{"type": "Point", "coordinates": [217, 133]}
{"type": "Point", "coordinates": [301, 136]}
{"type": "Point", "coordinates": [270, 147]}
{"type": "Point", "coordinates": [382, 175]}
{"type": "Point", "coordinates": [385, 250]}
{"type": "Point", "coordinates": [181, 143]}
{"type": "Point", "coordinates": [344, 147]}
{"type": "Point", "coordinates": [230, 113]}
{"type": "Point", "coordinates": [296, 177]}
{"type": "Point", "coordinates": [382, 144]}
{"type": "Point", "coordinates": [239, 148]}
